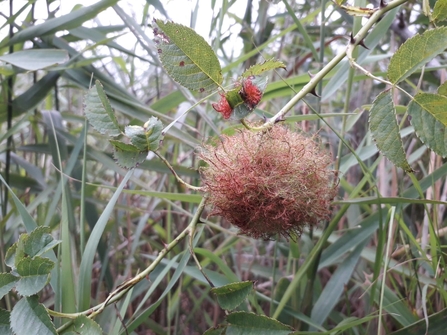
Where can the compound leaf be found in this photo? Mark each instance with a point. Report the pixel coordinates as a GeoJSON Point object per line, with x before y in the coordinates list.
{"type": "Point", "coordinates": [416, 52]}
{"type": "Point", "coordinates": [187, 57]}
{"type": "Point", "coordinates": [385, 130]}
{"type": "Point", "coordinates": [429, 120]}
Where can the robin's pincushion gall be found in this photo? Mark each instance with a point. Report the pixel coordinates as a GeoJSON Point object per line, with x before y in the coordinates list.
{"type": "Point", "coordinates": [269, 183]}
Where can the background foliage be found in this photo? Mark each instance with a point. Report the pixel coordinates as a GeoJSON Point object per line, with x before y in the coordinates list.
{"type": "Point", "coordinates": [378, 267]}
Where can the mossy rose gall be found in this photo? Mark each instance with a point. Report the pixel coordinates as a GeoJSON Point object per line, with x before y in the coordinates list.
{"type": "Point", "coordinates": [269, 183]}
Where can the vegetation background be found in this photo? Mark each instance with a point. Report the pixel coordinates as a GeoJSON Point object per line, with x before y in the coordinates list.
{"type": "Point", "coordinates": [358, 278]}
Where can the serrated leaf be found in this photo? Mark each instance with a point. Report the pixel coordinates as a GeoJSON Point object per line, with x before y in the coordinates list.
{"type": "Point", "coordinates": [147, 138]}
{"type": "Point", "coordinates": [416, 52]}
{"type": "Point", "coordinates": [30, 317]}
{"type": "Point", "coordinates": [252, 324]}
{"type": "Point", "coordinates": [137, 137]}
{"type": "Point", "coordinates": [442, 90]}
{"type": "Point", "coordinates": [127, 155]}
{"type": "Point", "coordinates": [34, 274]}
{"type": "Point", "coordinates": [385, 130]}
{"type": "Point", "coordinates": [35, 59]}
{"type": "Point", "coordinates": [5, 326]}
{"type": "Point", "coordinates": [39, 241]}
{"type": "Point", "coordinates": [124, 146]}
{"type": "Point", "coordinates": [256, 70]}
{"type": "Point", "coordinates": [187, 57]}
{"type": "Point", "coordinates": [99, 111]}
{"type": "Point", "coordinates": [154, 128]}
{"type": "Point", "coordinates": [83, 325]}
{"type": "Point", "coordinates": [19, 252]}
{"type": "Point", "coordinates": [232, 295]}
{"type": "Point", "coordinates": [429, 120]}
{"type": "Point", "coordinates": [440, 11]}
{"type": "Point", "coordinates": [7, 282]}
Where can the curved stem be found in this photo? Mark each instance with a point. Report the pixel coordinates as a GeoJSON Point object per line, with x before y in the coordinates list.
{"type": "Point", "coordinates": [354, 64]}
{"type": "Point", "coordinates": [310, 86]}
{"type": "Point", "coordinates": [180, 180]}
{"type": "Point", "coordinates": [122, 289]}
{"type": "Point", "coordinates": [191, 250]}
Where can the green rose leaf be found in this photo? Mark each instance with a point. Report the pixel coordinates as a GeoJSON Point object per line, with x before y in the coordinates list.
{"type": "Point", "coordinates": [99, 111]}
{"type": "Point", "coordinates": [83, 325]}
{"type": "Point", "coordinates": [416, 52]}
{"type": "Point", "coordinates": [128, 155]}
{"type": "Point", "coordinates": [442, 90]}
{"type": "Point", "coordinates": [256, 70]}
{"type": "Point", "coordinates": [252, 324]}
{"type": "Point", "coordinates": [429, 120]}
{"type": "Point", "coordinates": [40, 241]}
{"type": "Point", "coordinates": [232, 295]}
{"type": "Point", "coordinates": [34, 274]}
{"type": "Point", "coordinates": [145, 138]}
{"type": "Point", "coordinates": [11, 255]}
{"type": "Point", "coordinates": [187, 57]}
{"type": "Point", "coordinates": [30, 317]}
{"type": "Point", "coordinates": [5, 326]}
{"type": "Point", "coordinates": [385, 130]}
{"type": "Point", "coordinates": [7, 282]}
{"type": "Point", "coordinates": [440, 11]}
{"type": "Point", "coordinates": [219, 330]}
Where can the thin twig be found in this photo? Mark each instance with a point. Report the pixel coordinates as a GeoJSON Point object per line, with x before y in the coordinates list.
{"type": "Point", "coordinates": [122, 289]}
{"type": "Point", "coordinates": [180, 180]}
{"type": "Point", "coordinates": [310, 86]}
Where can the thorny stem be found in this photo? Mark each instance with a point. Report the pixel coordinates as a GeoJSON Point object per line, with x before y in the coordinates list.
{"type": "Point", "coordinates": [350, 50]}
{"type": "Point", "coordinates": [310, 86]}
{"type": "Point", "coordinates": [180, 180]}
{"type": "Point", "coordinates": [122, 289]}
